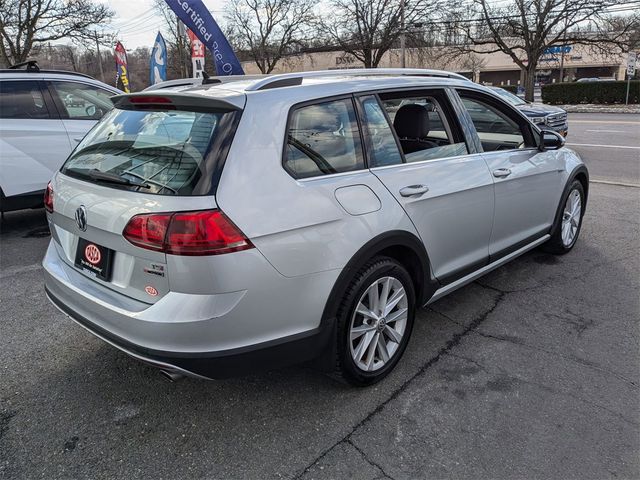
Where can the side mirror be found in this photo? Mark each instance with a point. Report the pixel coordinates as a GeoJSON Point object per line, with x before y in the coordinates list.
{"type": "Point", "coordinates": [550, 140]}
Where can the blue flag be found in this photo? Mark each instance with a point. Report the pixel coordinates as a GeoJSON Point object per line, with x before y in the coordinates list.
{"type": "Point", "coordinates": [197, 18]}
{"type": "Point", "coordinates": [158, 66]}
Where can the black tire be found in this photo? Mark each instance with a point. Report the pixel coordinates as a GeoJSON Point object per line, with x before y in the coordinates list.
{"type": "Point", "coordinates": [377, 268]}
{"type": "Point", "coordinates": [555, 244]}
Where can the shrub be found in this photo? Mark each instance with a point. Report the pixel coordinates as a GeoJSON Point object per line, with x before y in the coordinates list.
{"type": "Point", "coordinates": [510, 88]}
{"type": "Point", "coordinates": [590, 92]}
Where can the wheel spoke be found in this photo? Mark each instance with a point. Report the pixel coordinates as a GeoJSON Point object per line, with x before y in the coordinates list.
{"type": "Point", "coordinates": [383, 353]}
{"type": "Point", "coordinates": [384, 296]}
{"type": "Point", "coordinates": [393, 334]}
{"type": "Point", "coordinates": [399, 314]}
{"type": "Point", "coordinates": [371, 351]}
{"type": "Point", "coordinates": [363, 345]}
{"type": "Point", "coordinates": [393, 301]}
{"type": "Point", "coordinates": [357, 332]}
{"type": "Point", "coordinates": [374, 298]}
{"type": "Point", "coordinates": [365, 312]}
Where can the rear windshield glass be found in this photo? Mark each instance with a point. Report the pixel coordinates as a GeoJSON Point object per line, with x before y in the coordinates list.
{"type": "Point", "coordinates": [174, 152]}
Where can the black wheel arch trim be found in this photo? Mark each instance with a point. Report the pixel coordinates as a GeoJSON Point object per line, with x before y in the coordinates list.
{"type": "Point", "coordinates": [579, 170]}
{"type": "Point", "coordinates": [426, 284]}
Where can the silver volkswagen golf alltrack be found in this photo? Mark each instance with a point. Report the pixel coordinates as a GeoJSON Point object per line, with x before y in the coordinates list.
{"type": "Point", "coordinates": [218, 229]}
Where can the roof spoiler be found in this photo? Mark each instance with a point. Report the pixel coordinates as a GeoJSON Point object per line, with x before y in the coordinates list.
{"type": "Point", "coordinates": [165, 100]}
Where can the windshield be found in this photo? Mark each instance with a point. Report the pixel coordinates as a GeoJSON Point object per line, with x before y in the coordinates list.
{"type": "Point", "coordinates": [509, 97]}
{"type": "Point", "coordinates": [159, 152]}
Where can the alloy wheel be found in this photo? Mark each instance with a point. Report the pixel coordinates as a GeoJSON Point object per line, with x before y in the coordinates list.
{"type": "Point", "coordinates": [571, 218]}
{"type": "Point", "coordinates": [378, 324]}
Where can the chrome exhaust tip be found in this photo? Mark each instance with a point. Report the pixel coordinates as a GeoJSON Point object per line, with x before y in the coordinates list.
{"type": "Point", "coordinates": [171, 375]}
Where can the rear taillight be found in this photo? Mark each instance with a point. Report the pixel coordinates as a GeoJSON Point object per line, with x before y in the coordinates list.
{"type": "Point", "coordinates": [48, 198]}
{"type": "Point", "coordinates": [207, 232]}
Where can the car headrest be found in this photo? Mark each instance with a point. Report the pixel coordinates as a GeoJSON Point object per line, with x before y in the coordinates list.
{"type": "Point", "coordinates": [412, 121]}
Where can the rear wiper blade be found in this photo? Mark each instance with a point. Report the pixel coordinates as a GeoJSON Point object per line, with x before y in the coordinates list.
{"type": "Point", "coordinates": [114, 178]}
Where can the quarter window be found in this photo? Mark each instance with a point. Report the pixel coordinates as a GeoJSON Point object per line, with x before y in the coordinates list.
{"type": "Point", "coordinates": [323, 139]}
{"type": "Point", "coordinates": [82, 102]}
{"type": "Point", "coordinates": [22, 99]}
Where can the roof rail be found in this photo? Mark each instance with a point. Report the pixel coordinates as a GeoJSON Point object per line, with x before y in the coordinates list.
{"type": "Point", "coordinates": [295, 78]}
{"type": "Point", "coordinates": [31, 66]}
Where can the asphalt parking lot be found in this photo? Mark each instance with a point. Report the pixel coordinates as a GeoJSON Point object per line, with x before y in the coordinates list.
{"type": "Point", "coordinates": [531, 372]}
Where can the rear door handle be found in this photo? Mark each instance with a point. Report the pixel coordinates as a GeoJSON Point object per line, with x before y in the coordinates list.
{"type": "Point", "coordinates": [501, 172]}
{"type": "Point", "coordinates": [412, 190]}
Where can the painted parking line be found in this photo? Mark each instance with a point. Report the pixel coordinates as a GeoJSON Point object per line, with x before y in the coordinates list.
{"type": "Point", "coordinates": [601, 146]}
{"type": "Point", "coordinates": [606, 131]}
{"type": "Point", "coordinates": [617, 184]}
{"type": "Point", "coordinates": [608, 122]}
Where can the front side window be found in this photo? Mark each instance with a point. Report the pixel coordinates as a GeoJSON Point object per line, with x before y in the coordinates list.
{"type": "Point", "coordinates": [82, 102]}
{"type": "Point", "coordinates": [323, 139]}
{"type": "Point", "coordinates": [496, 129]}
{"type": "Point", "coordinates": [422, 127]}
{"type": "Point", "coordinates": [22, 99]}
{"type": "Point", "coordinates": [159, 152]}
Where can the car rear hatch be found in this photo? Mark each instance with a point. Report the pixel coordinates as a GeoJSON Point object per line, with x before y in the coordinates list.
{"type": "Point", "coordinates": [147, 171]}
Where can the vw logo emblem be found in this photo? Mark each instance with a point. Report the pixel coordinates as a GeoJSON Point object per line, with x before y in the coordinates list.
{"type": "Point", "coordinates": [81, 218]}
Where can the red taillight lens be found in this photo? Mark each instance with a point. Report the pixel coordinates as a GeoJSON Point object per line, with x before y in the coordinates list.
{"type": "Point", "coordinates": [148, 231]}
{"type": "Point", "coordinates": [186, 233]}
{"type": "Point", "coordinates": [48, 198]}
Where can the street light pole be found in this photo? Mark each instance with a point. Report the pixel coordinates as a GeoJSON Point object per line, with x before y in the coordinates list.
{"type": "Point", "coordinates": [403, 60]}
{"type": "Point", "coordinates": [99, 56]}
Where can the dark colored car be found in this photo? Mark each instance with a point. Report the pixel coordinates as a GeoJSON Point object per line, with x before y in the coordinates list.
{"type": "Point", "coordinates": [546, 117]}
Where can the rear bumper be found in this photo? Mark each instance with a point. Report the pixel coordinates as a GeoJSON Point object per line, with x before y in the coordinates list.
{"type": "Point", "coordinates": [213, 336]}
{"type": "Point", "coordinates": [223, 364]}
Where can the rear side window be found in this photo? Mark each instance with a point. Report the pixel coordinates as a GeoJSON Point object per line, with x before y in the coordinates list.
{"type": "Point", "coordinates": [22, 99]}
{"type": "Point", "coordinates": [80, 101]}
{"type": "Point", "coordinates": [161, 152]}
{"type": "Point", "coordinates": [323, 139]}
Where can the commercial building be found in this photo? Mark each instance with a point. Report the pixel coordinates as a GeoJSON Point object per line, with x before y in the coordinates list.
{"type": "Point", "coordinates": [575, 61]}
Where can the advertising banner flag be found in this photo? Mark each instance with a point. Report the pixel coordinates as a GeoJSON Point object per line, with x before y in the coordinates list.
{"type": "Point", "coordinates": [196, 16]}
{"type": "Point", "coordinates": [197, 54]}
{"type": "Point", "coordinates": [158, 66]}
{"type": "Point", "coordinates": [121, 63]}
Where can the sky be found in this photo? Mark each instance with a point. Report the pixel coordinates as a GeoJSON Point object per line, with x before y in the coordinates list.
{"type": "Point", "coordinates": [137, 24]}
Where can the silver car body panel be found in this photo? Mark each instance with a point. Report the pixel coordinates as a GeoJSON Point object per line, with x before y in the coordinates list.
{"type": "Point", "coordinates": [305, 232]}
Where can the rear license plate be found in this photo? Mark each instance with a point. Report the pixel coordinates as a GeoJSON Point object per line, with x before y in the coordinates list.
{"type": "Point", "coordinates": [94, 259]}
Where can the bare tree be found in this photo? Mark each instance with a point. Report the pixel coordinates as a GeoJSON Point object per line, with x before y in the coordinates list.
{"type": "Point", "coordinates": [269, 29]}
{"type": "Point", "coordinates": [178, 50]}
{"type": "Point", "coordinates": [367, 29]}
{"type": "Point", "coordinates": [525, 29]}
{"type": "Point", "coordinates": [25, 24]}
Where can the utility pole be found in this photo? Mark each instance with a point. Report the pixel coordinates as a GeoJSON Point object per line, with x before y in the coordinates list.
{"type": "Point", "coordinates": [99, 56]}
{"type": "Point", "coordinates": [184, 70]}
{"type": "Point", "coordinates": [403, 39]}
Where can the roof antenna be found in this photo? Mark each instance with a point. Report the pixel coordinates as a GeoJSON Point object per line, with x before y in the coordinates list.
{"type": "Point", "coordinates": [206, 79]}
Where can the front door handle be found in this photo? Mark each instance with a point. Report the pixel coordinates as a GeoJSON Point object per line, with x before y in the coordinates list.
{"type": "Point", "coordinates": [412, 190]}
{"type": "Point", "coordinates": [501, 172]}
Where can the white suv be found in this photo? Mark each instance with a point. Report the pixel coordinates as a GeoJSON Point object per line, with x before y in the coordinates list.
{"type": "Point", "coordinates": [251, 224]}
{"type": "Point", "coordinates": [43, 116]}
